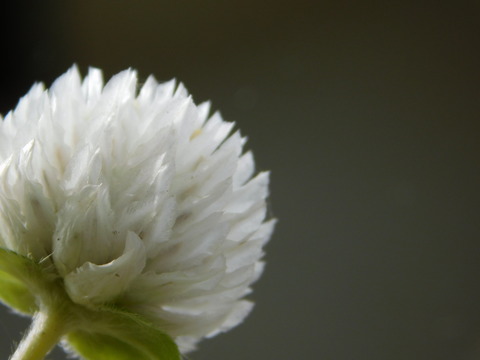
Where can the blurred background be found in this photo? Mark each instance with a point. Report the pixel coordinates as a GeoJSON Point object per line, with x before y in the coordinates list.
{"type": "Point", "coordinates": [367, 114]}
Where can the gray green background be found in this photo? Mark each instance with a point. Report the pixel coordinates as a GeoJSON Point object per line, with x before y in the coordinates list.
{"type": "Point", "coordinates": [367, 114]}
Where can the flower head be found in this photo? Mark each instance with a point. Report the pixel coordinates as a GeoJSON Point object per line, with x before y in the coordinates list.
{"type": "Point", "coordinates": [141, 200]}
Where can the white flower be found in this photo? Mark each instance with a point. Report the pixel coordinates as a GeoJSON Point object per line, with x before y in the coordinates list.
{"type": "Point", "coordinates": [141, 200]}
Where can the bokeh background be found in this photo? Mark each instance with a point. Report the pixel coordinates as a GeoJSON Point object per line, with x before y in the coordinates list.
{"type": "Point", "coordinates": [367, 114]}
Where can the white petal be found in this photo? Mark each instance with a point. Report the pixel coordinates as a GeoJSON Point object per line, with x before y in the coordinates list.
{"type": "Point", "coordinates": [85, 231]}
{"type": "Point", "coordinates": [92, 284]}
{"type": "Point", "coordinates": [121, 87]}
{"type": "Point", "coordinates": [256, 190]}
{"type": "Point", "coordinates": [245, 169]}
{"type": "Point", "coordinates": [92, 85]}
{"type": "Point", "coordinates": [239, 312]}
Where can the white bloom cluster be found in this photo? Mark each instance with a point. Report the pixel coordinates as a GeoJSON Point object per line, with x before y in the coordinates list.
{"type": "Point", "coordinates": [138, 199]}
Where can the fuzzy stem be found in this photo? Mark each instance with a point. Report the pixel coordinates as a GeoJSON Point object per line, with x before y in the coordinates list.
{"type": "Point", "coordinates": [44, 333]}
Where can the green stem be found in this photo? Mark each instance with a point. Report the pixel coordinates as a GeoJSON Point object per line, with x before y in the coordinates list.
{"type": "Point", "coordinates": [45, 332]}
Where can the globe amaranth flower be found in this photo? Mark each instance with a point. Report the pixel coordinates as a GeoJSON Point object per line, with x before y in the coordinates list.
{"type": "Point", "coordinates": [137, 198]}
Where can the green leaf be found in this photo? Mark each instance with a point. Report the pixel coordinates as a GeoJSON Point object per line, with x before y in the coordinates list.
{"type": "Point", "coordinates": [16, 276]}
{"type": "Point", "coordinates": [15, 264]}
{"type": "Point", "coordinates": [119, 335]}
{"type": "Point", "coordinates": [16, 294]}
